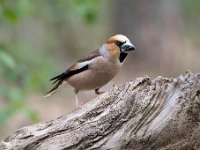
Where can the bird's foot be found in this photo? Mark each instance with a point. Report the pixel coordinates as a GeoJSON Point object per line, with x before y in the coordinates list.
{"type": "Point", "coordinates": [79, 104]}
{"type": "Point", "coordinates": [98, 92]}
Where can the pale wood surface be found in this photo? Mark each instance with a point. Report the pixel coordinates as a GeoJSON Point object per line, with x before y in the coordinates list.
{"type": "Point", "coordinates": [157, 114]}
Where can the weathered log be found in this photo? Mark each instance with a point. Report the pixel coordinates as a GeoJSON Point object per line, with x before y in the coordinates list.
{"type": "Point", "coordinates": [141, 114]}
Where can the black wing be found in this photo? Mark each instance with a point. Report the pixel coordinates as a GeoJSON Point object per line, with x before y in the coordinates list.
{"type": "Point", "coordinates": [59, 79]}
{"type": "Point", "coordinates": [68, 73]}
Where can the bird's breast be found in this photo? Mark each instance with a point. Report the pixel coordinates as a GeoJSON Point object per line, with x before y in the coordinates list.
{"type": "Point", "coordinates": [100, 72]}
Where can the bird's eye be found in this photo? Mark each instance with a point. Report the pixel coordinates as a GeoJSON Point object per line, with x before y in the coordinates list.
{"type": "Point", "coordinates": [119, 43]}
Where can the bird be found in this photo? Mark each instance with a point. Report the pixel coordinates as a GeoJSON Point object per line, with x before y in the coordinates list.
{"type": "Point", "coordinates": [96, 69]}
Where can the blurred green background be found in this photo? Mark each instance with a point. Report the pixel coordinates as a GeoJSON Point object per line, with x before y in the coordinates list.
{"type": "Point", "coordinates": [39, 39]}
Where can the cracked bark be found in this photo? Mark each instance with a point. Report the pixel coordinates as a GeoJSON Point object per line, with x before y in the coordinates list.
{"type": "Point", "coordinates": [141, 114]}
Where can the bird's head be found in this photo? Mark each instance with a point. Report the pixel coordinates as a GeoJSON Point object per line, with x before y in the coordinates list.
{"type": "Point", "coordinates": [122, 42]}
{"type": "Point", "coordinates": [118, 46]}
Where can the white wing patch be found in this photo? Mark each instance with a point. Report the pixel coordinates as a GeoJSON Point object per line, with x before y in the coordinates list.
{"type": "Point", "coordinates": [83, 64]}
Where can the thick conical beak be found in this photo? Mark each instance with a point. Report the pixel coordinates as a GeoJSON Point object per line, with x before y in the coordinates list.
{"type": "Point", "coordinates": [128, 46]}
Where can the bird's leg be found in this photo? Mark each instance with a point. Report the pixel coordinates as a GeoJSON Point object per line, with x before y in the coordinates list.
{"type": "Point", "coordinates": [76, 95]}
{"type": "Point", "coordinates": [98, 92]}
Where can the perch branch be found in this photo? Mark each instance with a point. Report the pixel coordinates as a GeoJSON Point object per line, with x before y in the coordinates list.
{"type": "Point", "coordinates": [141, 114]}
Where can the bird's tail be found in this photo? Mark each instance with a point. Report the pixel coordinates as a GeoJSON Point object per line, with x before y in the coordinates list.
{"type": "Point", "coordinates": [58, 82]}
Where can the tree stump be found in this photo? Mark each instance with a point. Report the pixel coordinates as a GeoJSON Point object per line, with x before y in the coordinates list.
{"type": "Point", "coordinates": [159, 114]}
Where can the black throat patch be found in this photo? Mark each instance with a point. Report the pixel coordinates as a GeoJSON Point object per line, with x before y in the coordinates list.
{"type": "Point", "coordinates": [122, 56]}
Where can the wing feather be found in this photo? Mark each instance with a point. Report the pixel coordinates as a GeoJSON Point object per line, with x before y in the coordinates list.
{"type": "Point", "coordinates": [80, 66]}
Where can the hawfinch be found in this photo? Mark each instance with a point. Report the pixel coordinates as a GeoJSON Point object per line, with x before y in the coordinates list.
{"type": "Point", "coordinates": [97, 68]}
